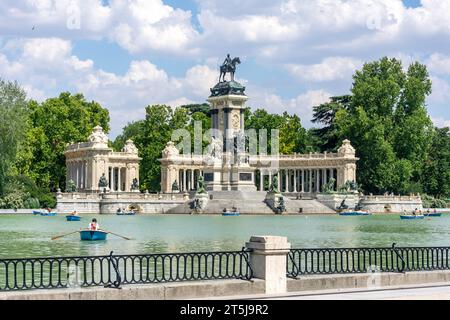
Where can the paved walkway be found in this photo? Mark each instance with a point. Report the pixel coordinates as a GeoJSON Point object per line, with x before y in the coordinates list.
{"type": "Point", "coordinates": [439, 291]}
{"type": "Point", "coordinates": [435, 293]}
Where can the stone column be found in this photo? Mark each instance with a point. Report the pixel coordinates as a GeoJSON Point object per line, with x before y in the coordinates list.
{"type": "Point", "coordinates": [184, 180]}
{"type": "Point", "coordinates": [286, 182]}
{"type": "Point", "coordinates": [261, 180]}
{"type": "Point", "coordinates": [77, 181]}
{"type": "Point", "coordinates": [310, 181]}
{"type": "Point", "coordinates": [268, 258]}
{"type": "Point", "coordinates": [270, 179]}
{"type": "Point", "coordinates": [295, 180]}
{"type": "Point", "coordinates": [303, 180]}
{"type": "Point", "coordinates": [119, 179]}
{"type": "Point", "coordinates": [324, 176]}
{"type": "Point", "coordinates": [318, 180]}
{"type": "Point", "coordinates": [113, 179]}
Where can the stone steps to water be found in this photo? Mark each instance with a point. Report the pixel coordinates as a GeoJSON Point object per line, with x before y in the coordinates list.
{"type": "Point", "coordinates": [311, 206]}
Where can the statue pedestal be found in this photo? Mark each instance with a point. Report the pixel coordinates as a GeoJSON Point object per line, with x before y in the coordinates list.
{"type": "Point", "coordinates": [274, 201]}
{"type": "Point", "coordinates": [242, 178]}
{"type": "Point", "coordinates": [200, 202]}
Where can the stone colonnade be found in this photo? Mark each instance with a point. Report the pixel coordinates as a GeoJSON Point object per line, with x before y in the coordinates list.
{"type": "Point", "coordinates": [87, 163]}
{"type": "Point", "coordinates": [296, 179]}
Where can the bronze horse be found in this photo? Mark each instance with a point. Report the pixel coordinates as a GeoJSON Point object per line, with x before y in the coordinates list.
{"type": "Point", "coordinates": [229, 68]}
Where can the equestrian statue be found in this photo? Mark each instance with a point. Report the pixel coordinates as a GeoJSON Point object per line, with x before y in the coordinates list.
{"type": "Point", "coordinates": [228, 66]}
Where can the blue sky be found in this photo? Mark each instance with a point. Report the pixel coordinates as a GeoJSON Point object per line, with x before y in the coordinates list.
{"type": "Point", "coordinates": [128, 54]}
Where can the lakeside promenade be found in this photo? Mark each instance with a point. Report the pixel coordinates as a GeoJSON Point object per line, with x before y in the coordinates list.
{"type": "Point", "coordinates": [267, 267]}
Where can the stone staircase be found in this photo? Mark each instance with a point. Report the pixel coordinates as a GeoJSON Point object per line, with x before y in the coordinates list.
{"type": "Point", "coordinates": [248, 202]}
{"type": "Point", "coordinates": [307, 206]}
{"type": "Point", "coordinates": [252, 203]}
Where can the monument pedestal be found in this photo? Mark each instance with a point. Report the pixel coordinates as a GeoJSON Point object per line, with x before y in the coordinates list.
{"type": "Point", "coordinates": [275, 201]}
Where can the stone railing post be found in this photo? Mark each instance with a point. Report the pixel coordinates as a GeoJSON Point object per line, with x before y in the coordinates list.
{"type": "Point", "coordinates": [268, 258]}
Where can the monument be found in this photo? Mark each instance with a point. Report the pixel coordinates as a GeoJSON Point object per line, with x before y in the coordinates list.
{"type": "Point", "coordinates": [227, 166]}
{"type": "Point", "coordinates": [229, 169]}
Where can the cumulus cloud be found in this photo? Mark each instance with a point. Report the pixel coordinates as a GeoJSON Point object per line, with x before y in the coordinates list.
{"type": "Point", "coordinates": [332, 68]}
{"type": "Point", "coordinates": [301, 104]}
{"type": "Point", "coordinates": [48, 66]}
{"type": "Point", "coordinates": [318, 42]}
{"type": "Point", "coordinates": [439, 64]}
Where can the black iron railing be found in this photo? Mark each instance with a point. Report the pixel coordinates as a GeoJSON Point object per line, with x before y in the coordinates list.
{"type": "Point", "coordinates": [361, 260]}
{"type": "Point", "coordinates": [115, 270]}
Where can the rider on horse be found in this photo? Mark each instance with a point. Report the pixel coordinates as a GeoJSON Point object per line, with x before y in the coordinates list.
{"type": "Point", "coordinates": [229, 65]}
{"type": "Point", "coordinates": [227, 61]}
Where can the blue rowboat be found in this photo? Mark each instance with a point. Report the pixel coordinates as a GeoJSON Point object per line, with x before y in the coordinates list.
{"type": "Point", "coordinates": [130, 213]}
{"type": "Point", "coordinates": [354, 213]}
{"type": "Point", "coordinates": [44, 213]}
{"type": "Point", "coordinates": [411, 217]}
{"type": "Point", "coordinates": [437, 214]}
{"type": "Point", "coordinates": [87, 235]}
{"type": "Point", "coordinates": [73, 218]}
{"type": "Point", "coordinates": [48, 214]}
{"type": "Point", "coordinates": [231, 214]}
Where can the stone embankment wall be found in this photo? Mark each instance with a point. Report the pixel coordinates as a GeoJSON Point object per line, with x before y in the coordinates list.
{"type": "Point", "coordinates": [108, 203]}
{"type": "Point", "coordinates": [391, 204]}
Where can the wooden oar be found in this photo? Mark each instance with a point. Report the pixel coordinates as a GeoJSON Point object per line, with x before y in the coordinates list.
{"type": "Point", "coordinates": [116, 234]}
{"type": "Point", "coordinates": [63, 235]}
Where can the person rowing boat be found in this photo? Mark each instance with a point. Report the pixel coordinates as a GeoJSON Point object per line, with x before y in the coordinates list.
{"type": "Point", "coordinates": [93, 225]}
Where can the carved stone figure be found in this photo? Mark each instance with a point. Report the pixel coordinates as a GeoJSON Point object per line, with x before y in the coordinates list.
{"type": "Point", "coordinates": [175, 187]}
{"type": "Point", "coordinates": [71, 187]}
{"type": "Point", "coordinates": [170, 150]}
{"type": "Point", "coordinates": [103, 182]}
{"type": "Point", "coordinates": [281, 206]}
{"type": "Point", "coordinates": [274, 184]}
{"type": "Point", "coordinates": [214, 151]}
{"type": "Point", "coordinates": [201, 185]}
{"type": "Point", "coordinates": [329, 186]}
{"type": "Point", "coordinates": [130, 147]}
{"type": "Point", "coordinates": [135, 184]}
{"type": "Point", "coordinates": [98, 136]}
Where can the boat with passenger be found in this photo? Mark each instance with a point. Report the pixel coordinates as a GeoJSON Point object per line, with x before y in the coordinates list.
{"type": "Point", "coordinates": [355, 213]}
{"type": "Point", "coordinates": [234, 212]}
{"type": "Point", "coordinates": [123, 212]}
{"type": "Point", "coordinates": [45, 213]}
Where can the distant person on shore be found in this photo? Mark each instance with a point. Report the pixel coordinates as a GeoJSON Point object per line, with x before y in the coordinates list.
{"type": "Point", "coordinates": [94, 226]}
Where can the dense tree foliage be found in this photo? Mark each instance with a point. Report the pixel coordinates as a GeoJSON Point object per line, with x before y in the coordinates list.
{"type": "Point", "coordinates": [386, 120]}
{"type": "Point", "coordinates": [53, 124]}
{"type": "Point", "coordinates": [436, 171]}
{"type": "Point", "coordinates": [13, 121]}
{"type": "Point", "coordinates": [327, 136]}
{"type": "Point", "coordinates": [292, 136]}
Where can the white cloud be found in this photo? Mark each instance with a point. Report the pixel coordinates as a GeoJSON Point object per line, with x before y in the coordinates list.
{"type": "Point", "coordinates": [441, 122]}
{"type": "Point", "coordinates": [301, 104]}
{"type": "Point", "coordinates": [439, 64]}
{"type": "Point", "coordinates": [332, 68]}
{"type": "Point", "coordinates": [441, 91]}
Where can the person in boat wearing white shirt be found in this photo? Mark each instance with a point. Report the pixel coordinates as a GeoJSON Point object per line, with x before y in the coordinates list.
{"type": "Point", "coordinates": [94, 226]}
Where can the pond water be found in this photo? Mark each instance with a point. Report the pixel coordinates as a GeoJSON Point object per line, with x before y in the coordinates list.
{"type": "Point", "coordinates": [30, 236]}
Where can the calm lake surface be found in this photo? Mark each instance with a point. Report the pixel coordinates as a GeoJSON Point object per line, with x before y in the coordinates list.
{"type": "Point", "coordinates": [29, 236]}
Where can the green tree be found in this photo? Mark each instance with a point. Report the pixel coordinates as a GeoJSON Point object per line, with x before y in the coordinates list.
{"type": "Point", "coordinates": [387, 122]}
{"type": "Point", "coordinates": [293, 137]}
{"type": "Point", "coordinates": [327, 136]}
{"type": "Point", "coordinates": [53, 124]}
{"type": "Point", "coordinates": [13, 123]}
{"type": "Point", "coordinates": [436, 172]}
